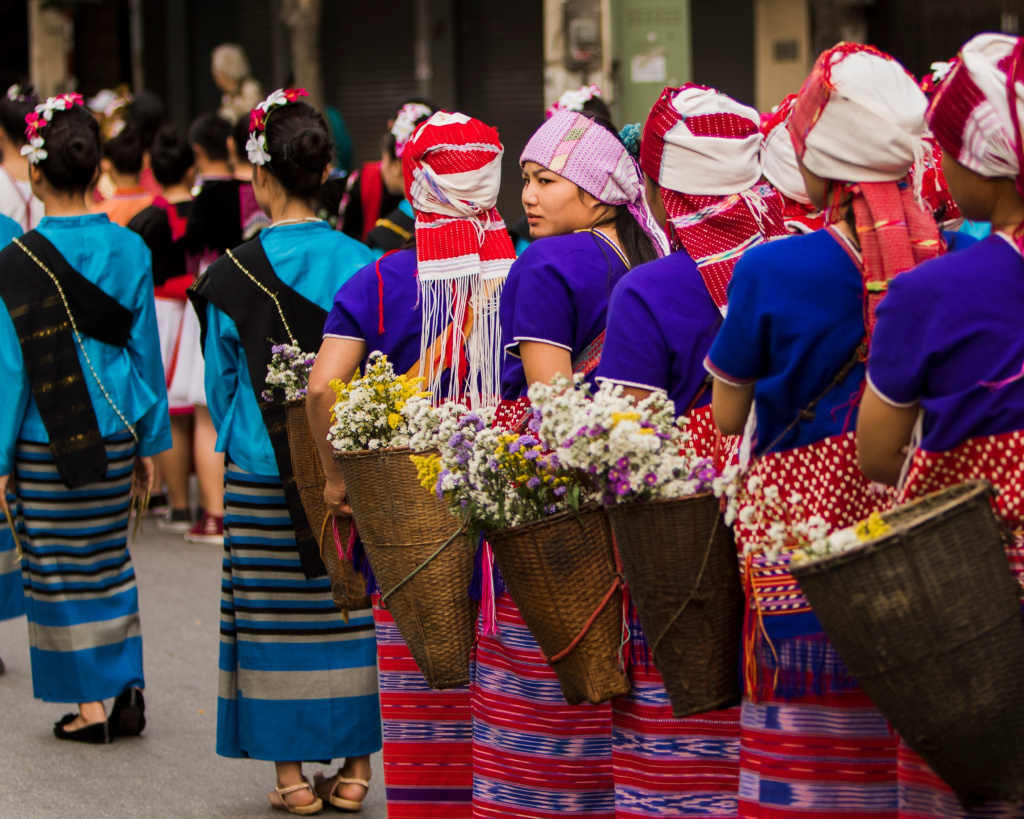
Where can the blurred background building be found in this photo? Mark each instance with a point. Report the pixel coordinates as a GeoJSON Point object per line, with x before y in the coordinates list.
{"type": "Point", "coordinates": [503, 61]}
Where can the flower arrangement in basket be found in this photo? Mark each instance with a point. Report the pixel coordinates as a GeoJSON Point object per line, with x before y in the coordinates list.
{"type": "Point", "coordinates": [419, 554]}
{"type": "Point", "coordinates": [638, 458]}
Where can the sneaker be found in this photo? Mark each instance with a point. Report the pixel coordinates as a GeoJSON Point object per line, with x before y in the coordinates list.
{"type": "Point", "coordinates": [208, 529]}
{"type": "Point", "coordinates": [178, 521]}
{"type": "Point", "coordinates": [158, 505]}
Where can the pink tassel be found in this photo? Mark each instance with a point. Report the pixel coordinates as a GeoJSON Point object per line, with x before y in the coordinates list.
{"type": "Point", "coordinates": [488, 612]}
{"type": "Point", "coordinates": [337, 537]}
{"type": "Point", "coordinates": [352, 535]}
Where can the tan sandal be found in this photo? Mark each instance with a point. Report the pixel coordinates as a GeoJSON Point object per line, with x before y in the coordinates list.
{"type": "Point", "coordinates": [277, 799]}
{"type": "Point", "coordinates": [339, 802]}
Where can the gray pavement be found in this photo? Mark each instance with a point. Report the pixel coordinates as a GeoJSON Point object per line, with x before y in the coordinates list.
{"type": "Point", "coordinates": [171, 770]}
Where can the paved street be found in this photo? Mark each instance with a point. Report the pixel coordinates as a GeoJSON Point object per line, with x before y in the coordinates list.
{"type": "Point", "coordinates": [172, 770]}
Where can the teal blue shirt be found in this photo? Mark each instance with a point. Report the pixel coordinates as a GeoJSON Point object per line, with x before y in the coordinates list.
{"type": "Point", "coordinates": [9, 229]}
{"type": "Point", "coordinates": [118, 262]}
{"type": "Point", "coordinates": [315, 261]}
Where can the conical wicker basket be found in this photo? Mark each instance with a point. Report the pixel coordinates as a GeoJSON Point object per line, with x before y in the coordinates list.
{"type": "Point", "coordinates": [928, 619]}
{"type": "Point", "coordinates": [403, 527]}
{"type": "Point", "coordinates": [561, 572]}
{"type": "Point", "coordinates": [680, 563]}
{"type": "Point", "coordinates": [348, 587]}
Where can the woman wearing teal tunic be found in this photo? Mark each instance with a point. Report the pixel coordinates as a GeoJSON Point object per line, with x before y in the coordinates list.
{"type": "Point", "coordinates": [298, 682]}
{"type": "Point", "coordinates": [85, 408]}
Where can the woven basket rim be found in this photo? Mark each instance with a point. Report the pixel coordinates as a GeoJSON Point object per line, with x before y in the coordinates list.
{"type": "Point", "coordinates": [966, 490]}
{"type": "Point", "coordinates": [291, 402]}
{"type": "Point", "coordinates": [550, 520]}
{"type": "Point", "coordinates": [660, 502]}
{"type": "Point", "coordinates": [376, 453]}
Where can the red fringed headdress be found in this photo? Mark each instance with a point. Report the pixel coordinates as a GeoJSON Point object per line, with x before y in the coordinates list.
{"type": "Point", "coordinates": [704, 150]}
{"type": "Point", "coordinates": [976, 111]}
{"type": "Point", "coordinates": [452, 166]}
{"type": "Point", "coordinates": [859, 121]}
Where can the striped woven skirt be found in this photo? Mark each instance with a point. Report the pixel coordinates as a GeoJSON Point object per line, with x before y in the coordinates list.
{"type": "Point", "coordinates": [12, 599]}
{"type": "Point", "coordinates": [533, 754]}
{"type": "Point", "coordinates": [668, 767]}
{"type": "Point", "coordinates": [428, 750]}
{"type": "Point", "coordinates": [825, 751]}
{"type": "Point", "coordinates": [80, 594]}
{"type": "Point", "coordinates": [296, 682]}
{"type": "Point", "coordinates": [922, 795]}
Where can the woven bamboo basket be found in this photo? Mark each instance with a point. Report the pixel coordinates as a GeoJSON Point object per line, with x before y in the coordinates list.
{"type": "Point", "coordinates": [679, 558]}
{"type": "Point", "coordinates": [402, 527]}
{"type": "Point", "coordinates": [348, 587]}
{"type": "Point", "coordinates": [928, 619]}
{"type": "Point", "coordinates": [559, 571]}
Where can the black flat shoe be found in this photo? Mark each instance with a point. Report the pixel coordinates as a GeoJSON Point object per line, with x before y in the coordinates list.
{"type": "Point", "coordinates": [98, 733]}
{"type": "Point", "coordinates": [128, 716]}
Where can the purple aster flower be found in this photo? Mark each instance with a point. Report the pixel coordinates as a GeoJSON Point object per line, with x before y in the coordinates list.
{"type": "Point", "coordinates": [622, 488]}
{"type": "Point", "coordinates": [623, 464]}
{"type": "Point", "coordinates": [550, 510]}
{"type": "Point", "coordinates": [533, 483]}
{"type": "Point", "coordinates": [456, 439]}
{"type": "Point", "coordinates": [560, 491]}
{"type": "Point", "coordinates": [514, 447]}
{"type": "Point", "coordinates": [463, 503]}
{"type": "Point", "coordinates": [650, 479]}
{"type": "Point", "coordinates": [531, 454]}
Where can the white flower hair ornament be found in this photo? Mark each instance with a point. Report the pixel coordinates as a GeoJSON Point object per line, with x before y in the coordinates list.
{"type": "Point", "coordinates": [574, 100]}
{"type": "Point", "coordinates": [38, 120]}
{"type": "Point", "coordinates": [17, 94]}
{"type": "Point", "coordinates": [256, 147]}
{"type": "Point", "coordinates": [405, 124]}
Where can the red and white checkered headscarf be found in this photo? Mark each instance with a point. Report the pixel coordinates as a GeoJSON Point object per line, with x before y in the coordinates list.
{"type": "Point", "coordinates": [452, 168]}
{"type": "Point", "coordinates": [859, 121]}
{"type": "Point", "coordinates": [782, 171]}
{"type": "Point", "coordinates": [978, 106]}
{"type": "Point", "coordinates": [704, 150]}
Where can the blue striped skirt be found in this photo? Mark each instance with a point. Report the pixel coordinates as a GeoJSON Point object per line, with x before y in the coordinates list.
{"type": "Point", "coordinates": [296, 682]}
{"type": "Point", "coordinates": [80, 594]}
{"type": "Point", "coordinates": [12, 599]}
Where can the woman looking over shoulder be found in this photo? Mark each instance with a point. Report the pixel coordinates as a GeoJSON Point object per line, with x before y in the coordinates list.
{"type": "Point", "coordinates": [583, 196]}
{"type": "Point", "coordinates": [86, 409]}
{"type": "Point", "coordinates": [298, 680]}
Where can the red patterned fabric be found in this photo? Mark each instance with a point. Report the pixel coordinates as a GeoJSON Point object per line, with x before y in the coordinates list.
{"type": "Point", "coordinates": [714, 229]}
{"type": "Point", "coordinates": [663, 766]}
{"type": "Point", "coordinates": [428, 737]}
{"type": "Point", "coordinates": [828, 478]}
{"type": "Point", "coordinates": [717, 230]}
{"type": "Point", "coordinates": [708, 442]}
{"type": "Point", "coordinates": [934, 188]}
{"type": "Point", "coordinates": [998, 459]}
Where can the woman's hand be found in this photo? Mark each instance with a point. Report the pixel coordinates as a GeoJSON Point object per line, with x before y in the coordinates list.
{"type": "Point", "coordinates": [336, 498]}
{"type": "Point", "coordinates": [142, 477]}
{"type": "Point", "coordinates": [5, 481]}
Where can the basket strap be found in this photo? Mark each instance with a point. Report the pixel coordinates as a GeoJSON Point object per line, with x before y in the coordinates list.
{"type": "Point", "coordinates": [565, 652]}
{"type": "Point", "coordinates": [423, 565]}
{"type": "Point", "coordinates": [693, 590]}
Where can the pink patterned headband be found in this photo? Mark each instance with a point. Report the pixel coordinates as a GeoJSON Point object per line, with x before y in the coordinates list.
{"type": "Point", "coordinates": [39, 119]}
{"type": "Point", "coordinates": [579, 149]}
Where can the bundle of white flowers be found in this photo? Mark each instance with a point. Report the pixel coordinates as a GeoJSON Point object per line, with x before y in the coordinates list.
{"type": "Point", "coordinates": [629, 451]}
{"type": "Point", "coordinates": [288, 370]}
{"type": "Point", "coordinates": [373, 411]}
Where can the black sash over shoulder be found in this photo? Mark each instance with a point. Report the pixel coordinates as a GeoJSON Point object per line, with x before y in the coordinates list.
{"type": "Point", "coordinates": [260, 326]}
{"type": "Point", "coordinates": [41, 318]}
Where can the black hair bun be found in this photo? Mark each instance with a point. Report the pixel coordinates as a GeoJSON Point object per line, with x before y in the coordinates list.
{"type": "Point", "coordinates": [311, 149]}
{"type": "Point", "coordinates": [77, 150]}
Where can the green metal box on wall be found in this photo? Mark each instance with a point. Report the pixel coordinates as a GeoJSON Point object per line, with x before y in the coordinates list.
{"type": "Point", "coordinates": [652, 48]}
